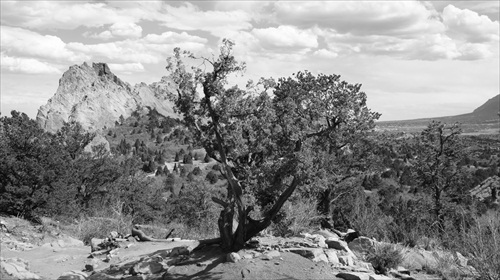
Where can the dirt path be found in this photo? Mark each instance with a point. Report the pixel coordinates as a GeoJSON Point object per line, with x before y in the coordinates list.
{"type": "Point", "coordinates": [50, 262]}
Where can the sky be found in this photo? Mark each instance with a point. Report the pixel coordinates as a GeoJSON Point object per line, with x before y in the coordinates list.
{"type": "Point", "coordinates": [415, 59]}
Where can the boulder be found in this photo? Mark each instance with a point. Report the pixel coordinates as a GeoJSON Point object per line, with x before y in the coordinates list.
{"type": "Point", "coordinates": [336, 244]}
{"type": "Point", "coordinates": [361, 246]}
{"type": "Point", "coordinates": [351, 235]}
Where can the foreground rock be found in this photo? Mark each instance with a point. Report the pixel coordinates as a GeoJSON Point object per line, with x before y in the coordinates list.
{"type": "Point", "coordinates": [16, 268]}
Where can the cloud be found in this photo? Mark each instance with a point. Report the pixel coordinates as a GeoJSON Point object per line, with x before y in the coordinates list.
{"type": "Point", "coordinates": [360, 17]}
{"type": "Point", "coordinates": [324, 53]}
{"type": "Point", "coordinates": [190, 17]}
{"type": "Point", "coordinates": [469, 25]}
{"type": "Point", "coordinates": [60, 14]}
{"type": "Point", "coordinates": [28, 43]}
{"type": "Point", "coordinates": [126, 67]}
{"type": "Point", "coordinates": [150, 49]}
{"type": "Point", "coordinates": [120, 29]}
{"type": "Point", "coordinates": [288, 37]}
{"type": "Point", "coordinates": [26, 65]}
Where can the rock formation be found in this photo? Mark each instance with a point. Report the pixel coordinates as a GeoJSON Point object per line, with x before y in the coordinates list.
{"type": "Point", "coordinates": [95, 97]}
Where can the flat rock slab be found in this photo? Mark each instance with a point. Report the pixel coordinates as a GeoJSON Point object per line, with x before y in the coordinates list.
{"type": "Point", "coordinates": [353, 276]}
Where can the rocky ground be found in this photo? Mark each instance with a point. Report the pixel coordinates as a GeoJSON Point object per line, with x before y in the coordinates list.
{"type": "Point", "coordinates": [31, 254]}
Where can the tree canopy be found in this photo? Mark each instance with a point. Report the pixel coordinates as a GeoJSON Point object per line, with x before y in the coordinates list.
{"type": "Point", "coordinates": [270, 138]}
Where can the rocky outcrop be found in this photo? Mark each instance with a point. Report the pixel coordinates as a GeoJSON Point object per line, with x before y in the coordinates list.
{"type": "Point", "coordinates": [95, 97]}
{"type": "Point", "coordinates": [488, 190]}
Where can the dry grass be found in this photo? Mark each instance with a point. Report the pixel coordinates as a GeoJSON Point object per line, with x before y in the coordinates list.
{"type": "Point", "coordinates": [385, 256]}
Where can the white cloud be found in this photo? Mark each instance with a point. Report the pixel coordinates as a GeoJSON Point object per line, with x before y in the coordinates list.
{"type": "Point", "coordinates": [126, 30]}
{"type": "Point", "coordinates": [360, 17]}
{"type": "Point", "coordinates": [120, 29]}
{"type": "Point", "coordinates": [126, 67]}
{"type": "Point", "coordinates": [26, 65]}
{"type": "Point", "coordinates": [152, 48]}
{"type": "Point", "coordinates": [286, 37]}
{"type": "Point", "coordinates": [190, 17]}
{"type": "Point", "coordinates": [469, 25]}
{"type": "Point", "coordinates": [24, 42]}
{"type": "Point", "coordinates": [324, 53]}
{"type": "Point", "coordinates": [60, 14]}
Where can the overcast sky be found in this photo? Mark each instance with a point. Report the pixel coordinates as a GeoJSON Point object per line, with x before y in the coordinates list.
{"type": "Point", "coordinates": [415, 59]}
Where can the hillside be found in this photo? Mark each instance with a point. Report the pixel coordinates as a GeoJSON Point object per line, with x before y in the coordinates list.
{"type": "Point", "coordinates": [483, 120]}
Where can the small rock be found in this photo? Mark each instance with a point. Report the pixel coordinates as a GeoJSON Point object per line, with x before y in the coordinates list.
{"type": "Point", "coordinates": [233, 257]}
{"type": "Point", "coordinates": [94, 244]}
{"type": "Point", "coordinates": [113, 235]}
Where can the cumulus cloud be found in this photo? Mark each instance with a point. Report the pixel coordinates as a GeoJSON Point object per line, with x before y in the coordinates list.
{"type": "Point", "coordinates": [26, 65]}
{"type": "Point", "coordinates": [190, 17]}
{"type": "Point", "coordinates": [28, 43]}
{"type": "Point", "coordinates": [360, 17]}
{"type": "Point", "coordinates": [286, 37]}
{"type": "Point", "coordinates": [60, 14]}
{"type": "Point", "coordinates": [469, 25]}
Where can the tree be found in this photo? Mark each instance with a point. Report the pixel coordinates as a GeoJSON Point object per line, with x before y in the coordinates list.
{"type": "Point", "coordinates": [439, 153]}
{"type": "Point", "coordinates": [188, 159]}
{"type": "Point", "coordinates": [267, 146]}
{"type": "Point", "coordinates": [212, 177]}
{"type": "Point", "coordinates": [74, 138]}
{"type": "Point", "coordinates": [31, 161]}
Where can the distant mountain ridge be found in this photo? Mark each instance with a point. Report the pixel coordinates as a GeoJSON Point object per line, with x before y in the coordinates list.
{"type": "Point", "coordinates": [95, 97]}
{"type": "Point", "coordinates": [486, 113]}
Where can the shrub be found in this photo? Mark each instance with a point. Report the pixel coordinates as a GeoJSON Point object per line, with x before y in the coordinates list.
{"type": "Point", "coordinates": [481, 244]}
{"type": "Point", "coordinates": [385, 256]}
{"type": "Point", "coordinates": [297, 216]}
{"type": "Point", "coordinates": [212, 177]}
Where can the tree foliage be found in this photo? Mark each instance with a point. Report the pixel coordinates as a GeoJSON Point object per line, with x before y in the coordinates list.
{"type": "Point", "coordinates": [270, 138]}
